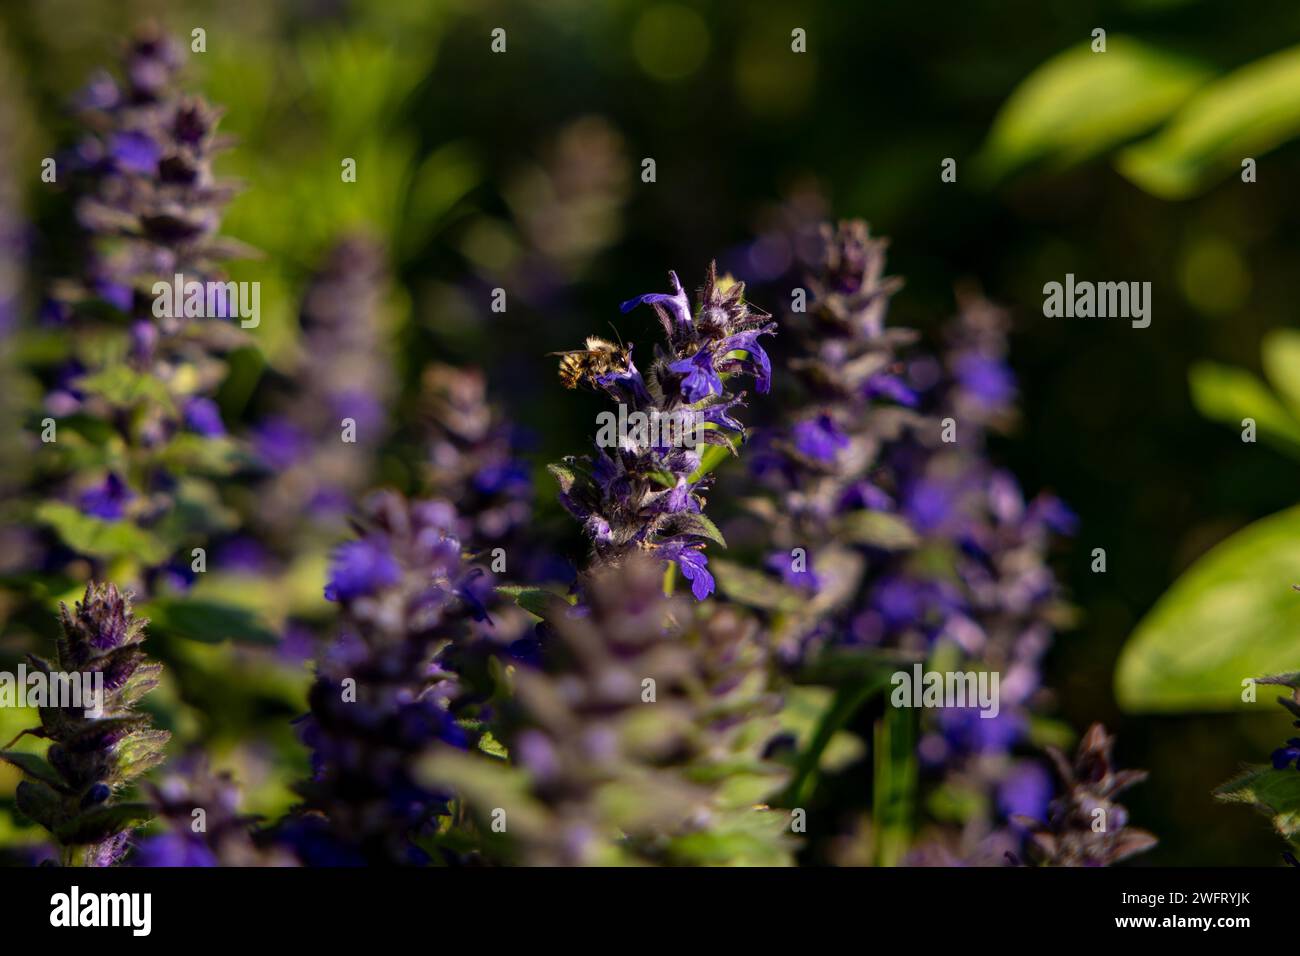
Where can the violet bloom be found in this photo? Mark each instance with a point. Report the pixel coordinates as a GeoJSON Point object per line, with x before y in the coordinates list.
{"type": "Point", "coordinates": [970, 731]}
{"type": "Point", "coordinates": [699, 379]}
{"type": "Point", "coordinates": [798, 574]}
{"type": "Point", "coordinates": [1283, 757]}
{"type": "Point", "coordinates": [204, 417]}
{"type": "Point", "coordinates": [823, 464]}
{"type": "Point", "coordinates": [820, 438]}
{"type": "Point", "coordinates": [359, 568]}
{"type": "Point", "coordinates": [279, 443]}
{"type": "Point", "coordinates": [645, 495]}
{"type": "Point", "coordinates": [987, 380]}
{"type": "Point", "coordinates": [145, 166]}
{"type": "Point", "coordinates": [107, 500]}
{"type": "Point", "coordinates": [1025, 791]}
{"type": "Point", "coordinates": [135, 152]}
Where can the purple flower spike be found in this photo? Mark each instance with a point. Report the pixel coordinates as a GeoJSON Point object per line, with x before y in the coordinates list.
{"type": "Point", "coordinates": [642, 491]}
{"type": "Point", "coordinates": [92, 756]}
{"type": "Point", "coordinates": [367, 801]}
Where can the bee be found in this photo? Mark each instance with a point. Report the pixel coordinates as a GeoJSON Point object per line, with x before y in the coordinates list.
{"type": "Point", "coordinates": [599, 358]}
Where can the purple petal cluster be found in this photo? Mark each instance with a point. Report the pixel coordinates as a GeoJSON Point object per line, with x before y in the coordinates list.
{"type": "Point", "coordinates": [149, 205]}
{"type": "Point", "coordinates": [149, 195]}
{"type": "Point", "coordinates": [887, 520]}
{"type": "Point", "coordinates": [382, 696]}
{"type": "Point", "coordinates": [646, 494]}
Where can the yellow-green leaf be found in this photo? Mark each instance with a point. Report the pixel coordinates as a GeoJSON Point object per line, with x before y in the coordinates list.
{"type": "Point", "coordinates": [1244, 114]}
{"type": "Point", "coordinates": [1281, 354]}
{"type": "Point", "coordinates": [1231, 617]}
{"type": "Point", "coordinates": [1231, 395]}
{"type": "Point", "coordinates": [99, 538]}
{"type": "Point", "coordinates": [1079, 104]}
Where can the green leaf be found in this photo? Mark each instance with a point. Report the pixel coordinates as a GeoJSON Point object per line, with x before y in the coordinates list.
{"type": "Point", "coordinates": [749, 837]}
{"type": "Point", "coordinates": [98, 538]}
{"type": "Point", "coordinates": [208, 622]}
{"type": "Point", "coordinates": [566, 474]}
{"type": "Point", "coordinates": [1232, 616]}
{"type": "Point", "coordinates": [94, 430]}
{"type": "Point", "coordinates": [442, 180]}
{"type": "Point", "coordinates": [140, 752]}
{"type": "Point", "coordinates": [842, 707]}
{"type": "Point", "coordinates": [536, 601]}
{"type": "Point", "coordinates": [123, 386]}
{"type": "Point", "coordinates": [188, 453]}
{"type": "Point", "coordinates": [492, 747]}
{"type": "Point", "coordinates": [38, 802]}
{"type": "Point", "coordinates": [1281, 356]}
{"type": "Point", "coordinates": [753, 588]}
{"type": "Point", "coordinates": [850, 666]}
{"type": "Point", "coordinates": [1244, 114]}
{"type": "Point", "coordinates": [103, 822]}
{"type": "Point", "coordinates": [34, 766]}
{"type": "Point", "coordinates": [697, 524]}
{"type": "Point", "coordinates": [1276, 793]}
{"type": "Point", "coordinates": [1229, 395]}
{"type": "Point", "coordinates": [712, 457]}
{"type": "Point", "coordinates": [1080, 104]}
{"type": "Point", "coordinates": [879, 529]}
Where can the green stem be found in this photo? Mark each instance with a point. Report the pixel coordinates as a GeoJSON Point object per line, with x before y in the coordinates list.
{"type": "Point", "coordinates": [894, 786]}
{"type": "Point", "coordinates": [843, 706]}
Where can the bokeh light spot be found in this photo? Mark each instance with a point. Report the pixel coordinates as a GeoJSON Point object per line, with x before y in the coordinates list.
{"type": "Point", "coordinates": [670, 41]}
